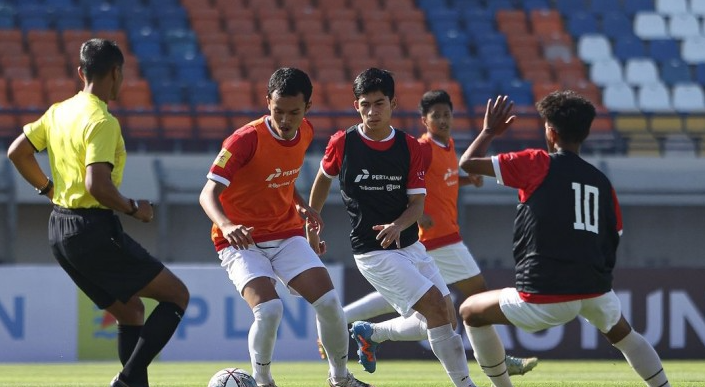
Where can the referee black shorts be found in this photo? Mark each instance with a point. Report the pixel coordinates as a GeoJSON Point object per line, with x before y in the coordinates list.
{"type": "Point", "coordinates": [103, 261]}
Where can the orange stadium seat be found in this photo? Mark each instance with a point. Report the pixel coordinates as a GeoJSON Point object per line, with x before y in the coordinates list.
{"type": "Point", "coordinates": [237, 94]}
{"type": "Point", "coordinates": [309, 24]}
{"type": "Point", "coordinates": [409, 94]}
{"type": "Point", "coordinates": [135, 94]}
{"type": "Point", "coordinates": [319, 46]}
{"type": "Point", "coordinates": [176, 122]}
{"type": "Point", "coordinates": [433, 69]}
{"type": "Point", "coordinates": [27, 93]}
{"type": "Point", "coordinates": [545, 22]}
{"type": "Point", "coordinates": [338, 95]}
{"type": "Point", "coordinates": [297, 4]}
{"type": "Point", "coordinates": [357, 65]}
{"type": "Point", "coordinates": [248, 45]}
{"type": "Point", "coordinates": [212, 123]}
{"type": "Point", "coordinates": [453, 89]}
{"type": "Point", "coordinates": [59, 89]}
{"type": "Point", "coordinates": [235, 27]}
{"type": "Point", "coordinates": [402, 68]}
{"type": "Point", "coordinates": [330, 69]}
{"type": "Point", "coordinates": [354, 50]}
{"type": "Point", "coordinates": [422, 51]}
{"type": "Point", "coordinates": [274, 26]}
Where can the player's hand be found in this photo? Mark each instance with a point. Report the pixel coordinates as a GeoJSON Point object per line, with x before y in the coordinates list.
{"type": "Point", "coordinates": [476, 180]}
{"type": "Point", "coordinates": [314, 240]}
{"type": "Point", "coordinates": [239, 236]}
{"type": "Point", "coordinates": [388, 234]}
{"type": "Point", "coordinates": [145, 211]}
{"type": "Point", "coordinates": [312, 217]}
{"type": "Point", "coordinates": [425, 221]}
{"type": "Point", "coordinates": [498, 115]}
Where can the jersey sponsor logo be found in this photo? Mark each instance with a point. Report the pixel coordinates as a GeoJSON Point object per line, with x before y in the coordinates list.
{"type": "Point", "coordinates": [363, 176]}
{"type": "Point", "coordinates": [447, 177]}
{"type": "Point", "coordinates": [387, 181]}
{"type": "Point", "coordinates": [222, 159]}
{"type": "Point", "coordinates": [278, 172]}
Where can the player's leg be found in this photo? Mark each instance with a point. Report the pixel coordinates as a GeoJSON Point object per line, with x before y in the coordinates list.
{"type": "Point", "coordinates": [479, 312]}
{"type": "Point", "coordinates": [303, 272]}
{"type": "Point", "coordinates": [605, 313]}
{"type": "Point", "coordinates": [367, 307]}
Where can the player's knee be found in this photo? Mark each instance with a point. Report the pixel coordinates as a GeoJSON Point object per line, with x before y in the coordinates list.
{"type": "Point", "coordinates": [469, 314]}
{"type": "Point", "coordinates": [328, 305]}
{"type": "Point", "coordinates": [270, 311]}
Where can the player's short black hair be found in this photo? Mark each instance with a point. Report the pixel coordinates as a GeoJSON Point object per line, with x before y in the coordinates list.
{"type": "Point", "coordinates": [374, 79]}
{"type": "Point", "coordinates": [289, 81]}
{"type": "Point", "coordinates": [434, 97]}
{"type": "Point", "coordinates": [569, 113]}
{"type": "Point", "coordinates": [98, 57]}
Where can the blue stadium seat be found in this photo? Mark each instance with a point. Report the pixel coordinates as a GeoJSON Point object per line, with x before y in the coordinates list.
{"type": "Point", "coordinates": [492, 50]}
{"type": "Point", "coordinates": [453, 37]}
{"type": "Point", "coordinates": [700, 73]}
{"type": "Point", "coordinates": [146, 48]}
{"type": "Point", "coordinates": [105, 23]}
{"type": "Point", "coordinates": [616, 24]}
{"type": "Point", "coordinates": [495, 5]}
{"type": "Point", "coordinates": [167, 93]}
{"type": "Point", "coordinates": [472, 14]}
{"type": "Point", "coordinates": [675, 71]}
{"type": "Point", "coordinates": [662, 50]}
{"type": "Point", "coordinates": [519, 91]}
{"type": "Point", "coordinates": [33, 17]}
{"type": "Point", "coordinates": [568, 7]}
{"type": "Point", "coordinates": [628, 47]}
{"type": "Point", "coordinates": [530, 5]}
{"type": "Point", "coordinates": [172, 18]}
{"type": "Point", "coordinates": [633, 6]}
{"type": "Point", "coordinates": [7, 16]}
{"type": "Point", "coordinates": [454, 52]}
{"type": "Point", "coordinates": [478, 92]}
{"type": "Point", "coordinates": [59, 3]}
{"type": "Point", "coordinates": [605, 6]}
{"type": "Point", "coordinates": [203, 93]}
{"type": "Point", "coordinates": [582, 23]}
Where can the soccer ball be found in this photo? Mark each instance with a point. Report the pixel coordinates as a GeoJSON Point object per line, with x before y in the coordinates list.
{"type": "Point", "coordinates": [232, 377]}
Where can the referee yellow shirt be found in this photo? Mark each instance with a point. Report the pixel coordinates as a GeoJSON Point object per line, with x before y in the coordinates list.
{"type": "Point", "coordinates": [76, 133]}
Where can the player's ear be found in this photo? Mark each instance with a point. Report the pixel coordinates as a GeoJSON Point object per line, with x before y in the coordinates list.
{"type": "Point", "coordinates": [393, 102]}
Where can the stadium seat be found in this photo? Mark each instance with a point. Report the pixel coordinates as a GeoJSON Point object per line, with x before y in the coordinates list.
{"type": "Point", "coordinates": [338, 96]}
{"type": "Point", "coordinates": [616, 23]}
{"type": "Point", "coordinates": [631, 7]}
{"type": "Point", "coordinates": [581, 22]}
{"type": "Point", "coordinates": [688, 97]}
{"type": "Point", "coordinates": [671, 7]}
{"type": "Point", "coordinates": [640, 71]}
{"type": "Point", "coordinates": [654, 97]}
{"type": "Point", "coordinates": [628, 47]}
{"type": "Point", "coordinates": [650, 25]}
{"type": "Point", "coordinates": [408, 94]}
{"type": "Point", "coordinates": [675, 71]}
{"type": "Point", "coordinates": [683, 25]}
{"type": "Point", "coordinates": [28, 93]}
{"type": "Point", "coordinates": [606, 71]}
{"type": "Point", "coordinates": [176, 122]}
{"type": "Point", "coordinates": [663, 50]}
{"type": "Point", "coordinates": [212, 123]}
{"type": "Point", "coordinates": [237, 95]}
{"type": "Point", "coordinates": [697, 7]}
{"type": "Point", "coordinates": [693, 49]}
{"type": "Point", "coordinates": [619, 97]}
{"type": "Point", "coordinates": [594, 47]}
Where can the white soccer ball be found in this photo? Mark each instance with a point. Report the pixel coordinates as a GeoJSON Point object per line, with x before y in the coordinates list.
{"type": "Point", "coordinates": [232, 377]}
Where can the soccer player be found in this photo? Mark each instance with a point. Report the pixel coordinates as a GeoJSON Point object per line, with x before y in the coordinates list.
{"type": "Point", "coordinates": [381, 173]}
{"type": "Point", "coordinates": [258, 226]}
{"type": "Point", "coordinates": [566, 234]}
{"type": "Point", "coordinates": [87, 158]}
{"type": "Point", "coordinates": [438, 230]}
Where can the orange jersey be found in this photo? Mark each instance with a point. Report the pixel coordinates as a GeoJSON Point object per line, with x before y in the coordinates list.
{"type": "Point", "coordinates": [259, 171]}
{"type": "Point", "coordinates": [441, 202]}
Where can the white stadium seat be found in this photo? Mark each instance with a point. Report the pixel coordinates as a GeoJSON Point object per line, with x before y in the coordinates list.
{"type": "Point", "coordinates": [594, 47]}
{"type": "Point", "coordinates": [697, 7]}
{"type": "Point", "coordinates": [688, 97]}
{"type": "Point", "coordinates": [639, 71]}
{"type": "Point", "coordinates": [650, 25]}
{"type": "Point", "coordinates": [619, 97]}
{"type": "Point", "coordinates": [606, 71]}
{"type": "Point", "coordinates": [671, 7]}
{"type": "Point", "coordinates": [654, 97]}
{"type": "Point", "coordinates": [693, 49]}
{"type": "Point", "coordinates": [683, 25]}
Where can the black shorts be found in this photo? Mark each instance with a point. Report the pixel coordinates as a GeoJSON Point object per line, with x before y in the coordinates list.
{"type": "Point", "coordinates": [103, 261]}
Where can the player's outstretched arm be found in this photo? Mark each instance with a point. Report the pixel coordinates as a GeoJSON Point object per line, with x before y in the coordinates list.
{"type": "Point", "coordinates": [498, 118]}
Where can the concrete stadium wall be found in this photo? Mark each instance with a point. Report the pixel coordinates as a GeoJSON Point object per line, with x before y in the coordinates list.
{"type": "Point", "coordinates": [663, 201]}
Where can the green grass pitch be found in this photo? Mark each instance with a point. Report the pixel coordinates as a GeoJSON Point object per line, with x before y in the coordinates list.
{"type": "Point", "coordinates": [549, 373]}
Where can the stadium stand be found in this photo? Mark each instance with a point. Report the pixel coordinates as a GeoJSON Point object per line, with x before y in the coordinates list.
{"type": "Point", "coordinates": [211, 59]}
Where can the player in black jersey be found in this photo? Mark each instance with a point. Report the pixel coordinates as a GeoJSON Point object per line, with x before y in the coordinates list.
{"type": "Point", "coordinates": [566, 234]}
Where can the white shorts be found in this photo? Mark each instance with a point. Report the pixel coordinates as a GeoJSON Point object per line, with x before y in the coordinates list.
{"type": "Point", "coordinates": [282, 258]}
{"type": "Point", "coordinates": [603, 312]}
{"type": "Point", "coordinates": [455, 262]}
{"type": "Point", "coordinates": [401, 276]}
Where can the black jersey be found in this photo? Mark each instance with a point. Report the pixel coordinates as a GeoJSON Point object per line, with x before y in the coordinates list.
{"type": "Point", "coordinates": [566, 230]}
{"type": "Point", "coordinates": [374, 189]}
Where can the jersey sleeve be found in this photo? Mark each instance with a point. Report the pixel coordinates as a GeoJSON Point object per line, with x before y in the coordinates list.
{"type": "Point", "coordinates": [416, 183]}
{"type": "Point", "coordinates": [617, 212]}
{"type": "Point", "coordinates": [333, 157]}
{"type": "Point", "coordinates": [101, 140]}
{"type": "Point", "coordinates": [36, 132]}
{"type": "Point", "coordinates": [237, 151]}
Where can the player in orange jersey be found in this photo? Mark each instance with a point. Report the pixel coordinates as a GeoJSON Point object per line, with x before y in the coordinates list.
{"type": "Point", "coordinates": [258, 226]}
{"type": "Point", "coordinates": [438, 228]}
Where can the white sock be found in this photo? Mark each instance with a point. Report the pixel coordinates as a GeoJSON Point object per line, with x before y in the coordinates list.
{"type": "Point", "coordinates": [448, 348]}
{"type": "Point", "coordinates": [262, 336]}
{"type": "Point", "coordinates": [412, 328]}
{"type": "Point", "coordinates": [489, 353]}
{"type": "Point", "coordinates": [333, 331]}
{"type": "Point", "coordinates": [371, 305]}
{"type": "Point", "coordinates": [643, 359]}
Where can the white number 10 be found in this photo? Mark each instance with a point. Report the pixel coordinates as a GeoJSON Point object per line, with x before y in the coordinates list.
{"type": "Point", "coordinates": [583, 220]}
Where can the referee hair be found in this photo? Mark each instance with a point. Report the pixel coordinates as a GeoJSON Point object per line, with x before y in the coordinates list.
{"type": "Point", "coordinates": [569, 113]}
{"type": "Point", "coordinates": [374, 79]}
{"type": "Point", "coordinates": [98, 57]}
{"type": "Point", "coordinates": [289, 81]}
{"type": "Point", "coordinates": [434, 97]}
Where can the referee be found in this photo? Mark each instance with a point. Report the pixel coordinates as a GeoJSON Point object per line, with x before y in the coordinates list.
{"type": "Point", "coordinates": [87, 157]}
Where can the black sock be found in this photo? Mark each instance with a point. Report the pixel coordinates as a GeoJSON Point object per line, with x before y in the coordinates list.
{"type": "Point", "coordinates": [156, 332]}
{"type": "Point", "coordinates": [127, 336]}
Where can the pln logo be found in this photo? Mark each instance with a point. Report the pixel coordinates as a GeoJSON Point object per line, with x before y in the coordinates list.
{"type": "Point", "coordinates": [363, 176]}
{"type": "Point", "coordinates": [104, 325]}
